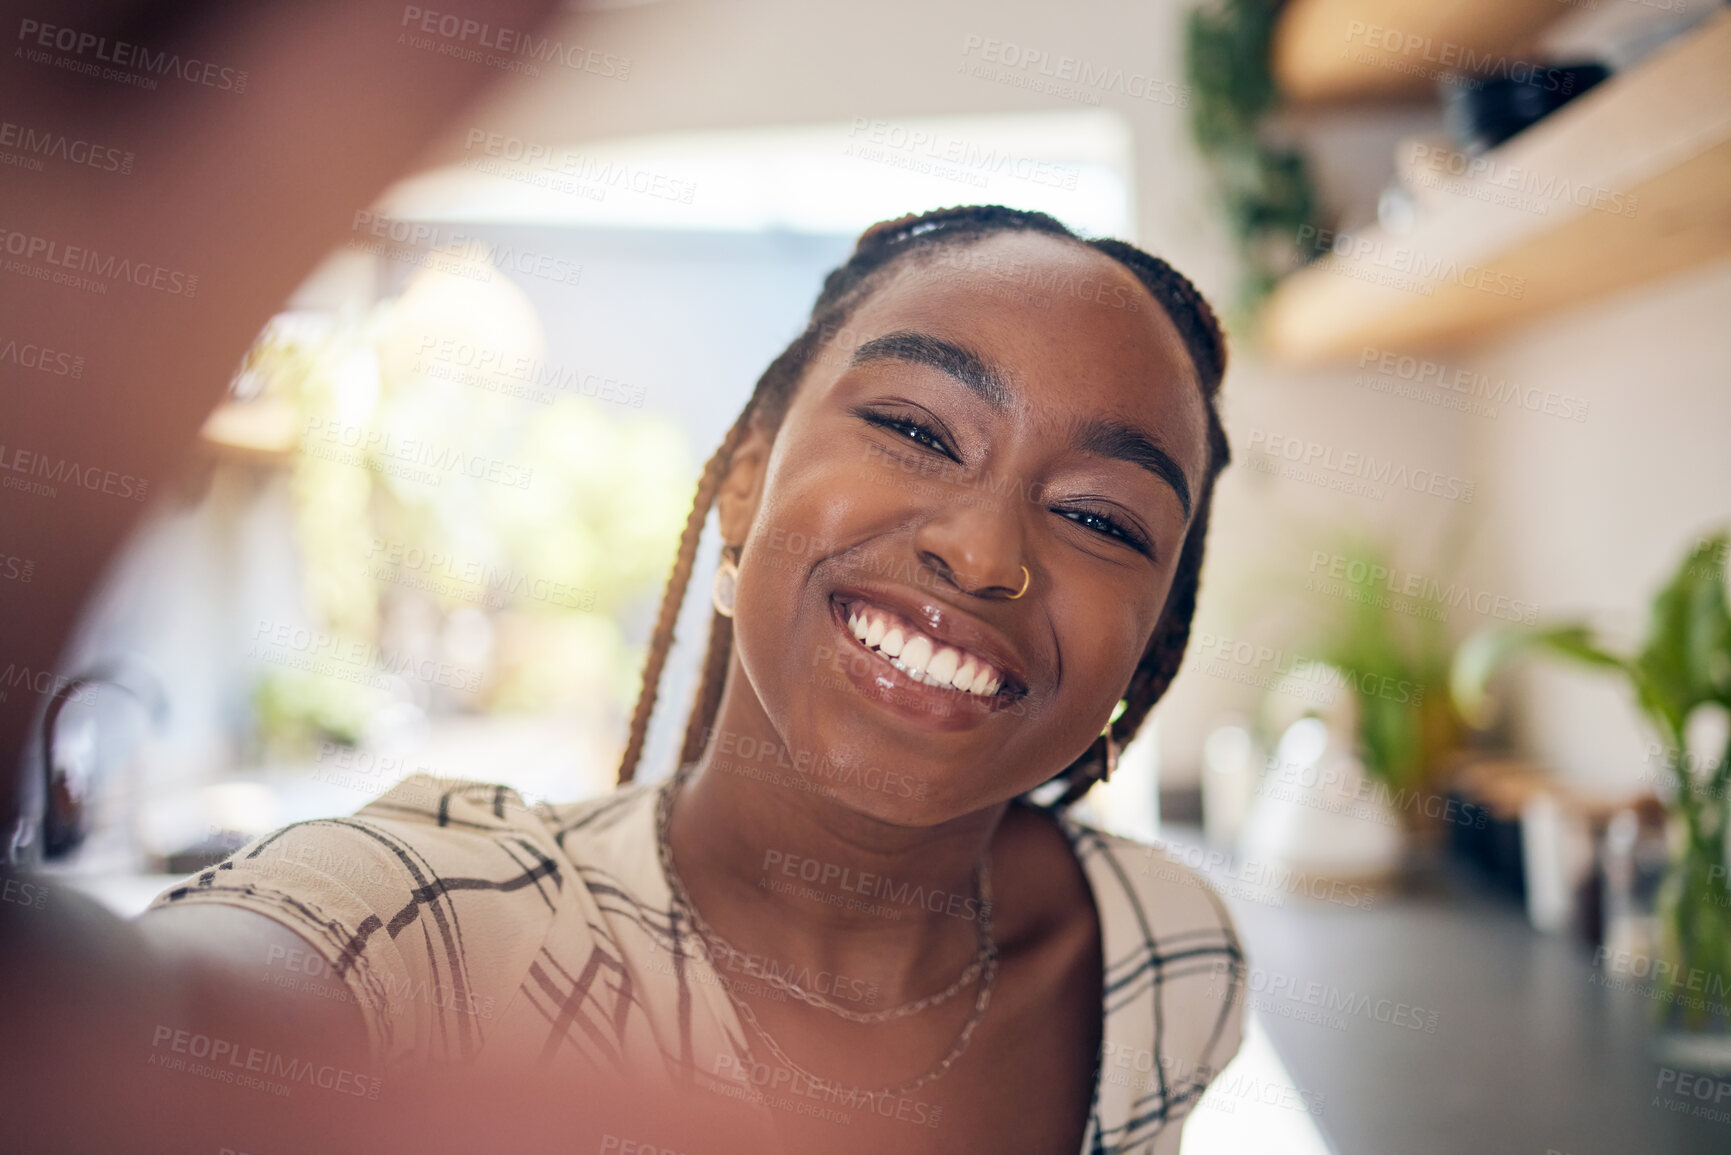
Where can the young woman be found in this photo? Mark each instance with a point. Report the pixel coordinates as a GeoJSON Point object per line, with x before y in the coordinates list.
{"type": "Point", "coordinates": [963, 518]}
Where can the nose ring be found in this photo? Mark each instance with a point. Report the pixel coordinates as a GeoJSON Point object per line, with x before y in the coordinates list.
{"type": "Point", "coordinates": [1026, 579]}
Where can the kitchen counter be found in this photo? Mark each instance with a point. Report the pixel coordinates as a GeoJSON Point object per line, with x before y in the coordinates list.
{"type": "Point", "coordinates": [1438, 1020]}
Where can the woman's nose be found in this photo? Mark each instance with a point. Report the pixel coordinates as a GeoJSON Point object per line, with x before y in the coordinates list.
{"type": "Point", "coordinates": [978, 550]}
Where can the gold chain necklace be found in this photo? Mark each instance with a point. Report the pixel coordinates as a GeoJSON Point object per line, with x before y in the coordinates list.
{"type": "Point", "coordinates": [985, 963]}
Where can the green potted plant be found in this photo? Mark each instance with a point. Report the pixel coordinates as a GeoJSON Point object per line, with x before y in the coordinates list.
{"type": "Point", "coordinates": [1393, 655]}
{"type": "Point", "coordinates": [1263, 180]}
{"type": "Point", "coordinates": [1342, 799]}
{"type": "Point", "coordinates": [1681, 671]}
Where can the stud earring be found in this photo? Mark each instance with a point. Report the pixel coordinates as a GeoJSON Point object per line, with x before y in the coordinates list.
{"type": "Point", "coordinates": [726, 583]}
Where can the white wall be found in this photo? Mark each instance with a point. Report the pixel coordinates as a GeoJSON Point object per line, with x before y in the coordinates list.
{"type": "Point", "coordinates": [1597, 515]}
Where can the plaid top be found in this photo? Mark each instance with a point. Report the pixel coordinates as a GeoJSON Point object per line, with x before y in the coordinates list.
{"type": "Point", "coordinates": [463, 920]}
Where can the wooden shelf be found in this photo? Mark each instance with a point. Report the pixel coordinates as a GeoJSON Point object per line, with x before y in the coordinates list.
{"type": "Point", "coordinates": [1652, 148]}
{"type": "Point", "coordinates": [1336, 50]}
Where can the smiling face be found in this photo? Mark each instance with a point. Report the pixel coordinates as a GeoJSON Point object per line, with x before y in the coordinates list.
{"type": "Point", "coordinates": [943, 441]}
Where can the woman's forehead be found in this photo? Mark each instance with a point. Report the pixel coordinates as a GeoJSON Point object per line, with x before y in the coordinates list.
{"type": "Point", "coordinates": [1067, 329]}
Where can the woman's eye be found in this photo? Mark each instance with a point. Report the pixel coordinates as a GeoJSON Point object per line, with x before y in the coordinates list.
{"type": "Point", "coordinates": [914, 431]}
{"type": "Point", "coordinates": [1106, 525]}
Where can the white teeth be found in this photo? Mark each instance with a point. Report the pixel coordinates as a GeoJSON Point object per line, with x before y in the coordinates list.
{"type": "Point", "coordinates": [922, 659]}
{"type": "Point", "coordinates": [963, 678]}
{"type": "Point", "coordinates": [917, 653]}
{"type": "Point", "coordinates": [875, 632]}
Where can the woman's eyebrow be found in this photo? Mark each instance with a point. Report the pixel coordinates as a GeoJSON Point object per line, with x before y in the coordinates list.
{"type": "Point", "coordinates": [958, 361]}
{"type": "Point", "coordinates": [1100, 436]}
{"type": "Point", "coordinates": [1105, 437]}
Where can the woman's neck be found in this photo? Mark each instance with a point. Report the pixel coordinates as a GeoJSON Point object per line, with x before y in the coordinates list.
{"type": "Point", "coordinates": [793, 875]}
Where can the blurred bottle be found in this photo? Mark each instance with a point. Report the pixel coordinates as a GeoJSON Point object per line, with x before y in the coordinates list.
{"type": "Point", "coordinates": [1231, 767]}
{"type": "Point", "coordinates": [1634, 858]}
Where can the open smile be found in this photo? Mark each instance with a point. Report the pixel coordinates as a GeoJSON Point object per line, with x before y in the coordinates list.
{"type": "Point", "coordinates": [895, 662]}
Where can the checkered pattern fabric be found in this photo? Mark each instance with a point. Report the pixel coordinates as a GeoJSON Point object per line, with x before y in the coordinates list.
{"type": "Point", "coordinates": [470, 926]}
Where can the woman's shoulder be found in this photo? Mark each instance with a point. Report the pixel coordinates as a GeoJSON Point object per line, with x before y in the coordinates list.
{"type": "Point", "coordinates": [1174, 979]}
{"type": "Point", "coordinates": [443, 815]}
{"type": "Point", "coordinates": [479, 806]}
{"type": "Point", "coordinates": [1150, 884]}
{"type": "Point", "coordinates": [436, 886]}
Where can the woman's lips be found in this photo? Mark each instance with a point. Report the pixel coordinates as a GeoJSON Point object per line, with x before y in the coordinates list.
{"type": "Point", "coordinates": [920, 656]}
{"type": "Point", "coordinates": [876, 676]}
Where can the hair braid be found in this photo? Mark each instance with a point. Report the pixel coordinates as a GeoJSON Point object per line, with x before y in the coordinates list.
{"type": "Point", "coordinates": [879, 248]}
{"type": "Point", "coordinates": [714, 470]}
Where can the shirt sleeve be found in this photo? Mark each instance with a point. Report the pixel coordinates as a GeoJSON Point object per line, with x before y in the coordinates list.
{"type": "Point", "coordinates": [1174, 1014]}
{"type": "Point", "coordinates": [1205, 1005]}
{"type": "Point", "coordinates": [429, 904]}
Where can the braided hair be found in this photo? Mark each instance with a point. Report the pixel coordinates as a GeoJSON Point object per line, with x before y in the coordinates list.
{"type": "Point", "coordinates": [879, 250]}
